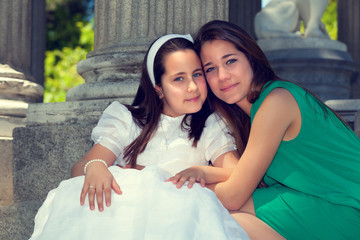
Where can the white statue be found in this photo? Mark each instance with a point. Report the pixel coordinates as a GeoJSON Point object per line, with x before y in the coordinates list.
{"type": "Point", "coordinates": [281, 18]}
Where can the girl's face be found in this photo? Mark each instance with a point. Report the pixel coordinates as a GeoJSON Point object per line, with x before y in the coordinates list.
{"type": "Point", "coordinates": [227, 71]}
{"type": "Point", "coordinates": [183, 87]}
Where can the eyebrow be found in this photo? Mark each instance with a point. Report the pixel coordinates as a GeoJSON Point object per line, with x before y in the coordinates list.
{"type": "Point", "coordinates": [223, 57]}
{"type": "Point", "coordinates": [198, 69]}
{"type": "Point", "coordinates": [182, 73]}
{"type": "Point", "coordinates": [177, 74]}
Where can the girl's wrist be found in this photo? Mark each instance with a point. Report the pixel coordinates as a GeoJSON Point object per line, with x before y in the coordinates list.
{"type": "Point", "coordinates": [92, 161]}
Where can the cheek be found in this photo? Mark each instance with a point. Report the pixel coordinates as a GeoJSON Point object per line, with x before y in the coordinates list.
{"type": "Point", "coordinates": [201, 84]}
{"type": "Point", "coordinates": [212, 82]}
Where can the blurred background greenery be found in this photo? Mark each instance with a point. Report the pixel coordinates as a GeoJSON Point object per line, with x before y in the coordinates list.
{"type": "Point", "coordinates": [70, 36]}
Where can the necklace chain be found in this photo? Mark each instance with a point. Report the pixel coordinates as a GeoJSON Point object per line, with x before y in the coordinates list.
{"type": "Point", "coordinates": [166, 140]}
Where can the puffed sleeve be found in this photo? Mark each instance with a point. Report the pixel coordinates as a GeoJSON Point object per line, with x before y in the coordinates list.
{"type": "Point", "coordinates": [217, 137]}
{"type": "Point", "coordinates": [113, 130]}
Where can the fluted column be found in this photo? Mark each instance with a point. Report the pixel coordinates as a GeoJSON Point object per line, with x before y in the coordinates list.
{"type": "Point", "coordinates": [243, 13]}
{"type": "Point", "coordinates": [349, 33]}
{"type": "Point", "coordinates": [21, 55]}
{"type": "Point", "coordinates": [22, 45]}
{"type": "Point", "coordinates": [124, 30]}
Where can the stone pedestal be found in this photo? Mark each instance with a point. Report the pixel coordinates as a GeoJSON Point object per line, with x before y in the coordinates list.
{"type": "Point", "coordinates": [321, 65]}
{"type": "Point", "coordinates": [349, 110]}
{"type": "Point", "coordinates": [349, 33]}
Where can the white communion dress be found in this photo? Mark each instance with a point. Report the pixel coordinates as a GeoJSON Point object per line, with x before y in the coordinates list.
{"type": "Point", "coordinates": [149, 207]}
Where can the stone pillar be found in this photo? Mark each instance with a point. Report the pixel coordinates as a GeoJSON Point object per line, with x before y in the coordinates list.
{"type": "Point", "coordinates": [349, 33]}
{"type": "Point", "coordinates": [22, 45]}
{"type": "Point", "coordinates": [243, 13]}
{"type": "Point", "coordinates": [124, 30]}
{"type": "Point", "coordinates": [321, 65]}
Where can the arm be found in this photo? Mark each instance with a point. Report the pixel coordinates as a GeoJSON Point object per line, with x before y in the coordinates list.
{"type": "Point", "coordinates": [221, 171]}
{"type": "Point", "coordinates": [97, 175]}
{"type": "Point", "coordinates": [277, 119]}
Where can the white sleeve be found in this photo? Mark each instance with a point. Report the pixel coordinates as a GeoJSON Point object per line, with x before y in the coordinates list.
{"type": "Point", "coordinates": [218, 139]}
{"type": "Point", "coordinates": [113, 128]}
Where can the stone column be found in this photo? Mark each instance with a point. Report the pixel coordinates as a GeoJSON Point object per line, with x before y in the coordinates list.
{"type": "Point", "coordinates": [22, 44]}
{"type": "Point", "coordinates": [349, 33]}
{"type": "Point", "coordinates": [124, 30]}
{"type": "Point", "coordinates": [243, 13]}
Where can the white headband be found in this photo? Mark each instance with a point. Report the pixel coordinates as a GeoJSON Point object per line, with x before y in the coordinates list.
{"type": "Point", "coordinates": [155, 48]}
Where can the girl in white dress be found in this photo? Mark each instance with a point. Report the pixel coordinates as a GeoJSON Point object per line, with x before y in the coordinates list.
{"type": "Point", "coordinates": [160, 134]}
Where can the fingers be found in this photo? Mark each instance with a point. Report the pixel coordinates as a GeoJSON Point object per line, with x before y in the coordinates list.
{"type": "Point", "coordinates": [83, 194]}
{"type": "Point", "coordinates": [179, 180]}
{"type": "Point", "coordinates": [99, 198]}
{"type": "Point", "coordinates": [91, 197]}
{"type": "Point", "coordinates": [191, 182]}
{"type": "Point", "coordinates": [95, 193]}
{"type": "Point", "coordinates": [107, 191]}
{"type": "Point", "coordinates": [201, 181]}
{"type": "Point", "coordinates": [115, 186]}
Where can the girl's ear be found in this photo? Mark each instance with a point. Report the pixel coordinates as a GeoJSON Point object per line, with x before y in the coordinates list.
{"type": "Point", "coordinates": [159, 91]}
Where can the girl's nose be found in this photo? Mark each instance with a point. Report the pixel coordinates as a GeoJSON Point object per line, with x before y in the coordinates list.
{"type": "Point", "coordinates": [223, 74]}
{"type": "Point", "coordinates": [192, 86]}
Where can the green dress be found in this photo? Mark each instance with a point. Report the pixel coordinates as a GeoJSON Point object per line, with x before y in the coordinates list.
{"type": "Point", "coordinates": [314, 179]}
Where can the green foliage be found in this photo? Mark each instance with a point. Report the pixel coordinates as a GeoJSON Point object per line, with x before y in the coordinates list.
{"type": "Point", "coordinates": [330, 19]}
{"type": "Point", "coordinates": [62, 18]}
{"type": "Point", "coordinates": [60, 66]}
{"type": "Point", "coordinates": [70, 37]}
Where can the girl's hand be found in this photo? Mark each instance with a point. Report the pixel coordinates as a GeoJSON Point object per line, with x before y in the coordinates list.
{"type": "Point", "coordinates": [98, 181]}
{"type": "Point", "coordinates": [192, 175]}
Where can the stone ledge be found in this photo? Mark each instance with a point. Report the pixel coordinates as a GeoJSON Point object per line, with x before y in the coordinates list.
{"type": "Point", "coordinates": [281, 43]}
{"type": "Point", "coordinates": [6, 176]}
{"type": "Point", "coordinates": [349, 110]}
{"type": "Point", "coordinates": [43, 157]}
{"type": "Point", "coordinates": [66, 113]}
{"type": "Point", "coordinates": [17, 221]}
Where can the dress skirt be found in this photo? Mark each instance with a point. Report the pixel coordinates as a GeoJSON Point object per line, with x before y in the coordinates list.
{"type": "Point", "coordinates": [149, 208]}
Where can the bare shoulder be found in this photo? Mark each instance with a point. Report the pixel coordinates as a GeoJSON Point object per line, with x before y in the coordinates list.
{"type": "Point", "coordinates": [280, 97]}
{"type": "Point", "coordinates": [280, 106]}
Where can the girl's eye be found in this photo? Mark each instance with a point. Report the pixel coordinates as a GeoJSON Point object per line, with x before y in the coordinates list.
{"type": "Point", "coordinates": [230, 61]}
{"type": "Point", "coordinates": [197, 75]}
{"type": "Point", "coordinates": [178, 79]}
{"type": "Point", "coordinates": [210, 69]}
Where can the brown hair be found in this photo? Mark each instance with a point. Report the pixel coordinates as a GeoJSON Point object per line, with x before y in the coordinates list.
{"type": "Point", "coordinates": [147, 107]}
{"type": "Point", "coordinates": [262, 70]}
{"type": "Point", "coordinates": [233, 114]}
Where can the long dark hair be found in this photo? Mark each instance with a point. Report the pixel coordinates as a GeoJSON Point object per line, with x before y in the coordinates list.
{"type": "Point", "coordinates": [146, 107]}
{"type": "Point", "coordinates": [233, 114]}
{"type": "Point", "coordinates": [262, 70]}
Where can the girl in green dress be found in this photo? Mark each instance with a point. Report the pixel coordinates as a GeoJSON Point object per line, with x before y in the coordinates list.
{"type": "Point", "coordinates": [302, 150]}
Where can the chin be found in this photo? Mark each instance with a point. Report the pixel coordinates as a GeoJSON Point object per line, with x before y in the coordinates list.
{"type": "Point", "coordinates": [229, 101]}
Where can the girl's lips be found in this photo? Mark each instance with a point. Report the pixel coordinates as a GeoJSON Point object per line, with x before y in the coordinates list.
{"type": "Point", "coordinates": [228, 88]}
{"type": "Point", "coordinates": [193, 99]}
